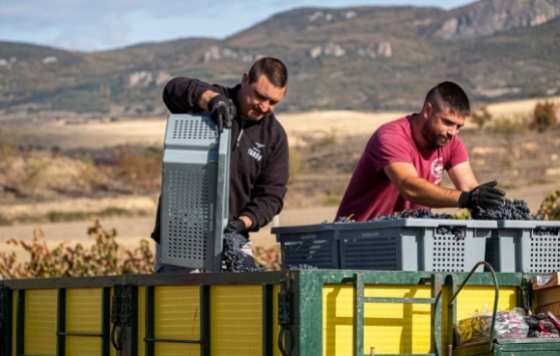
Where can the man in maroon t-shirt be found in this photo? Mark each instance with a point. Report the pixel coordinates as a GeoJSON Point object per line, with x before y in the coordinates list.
{"type": "Point", "coordinates": [403, 163]}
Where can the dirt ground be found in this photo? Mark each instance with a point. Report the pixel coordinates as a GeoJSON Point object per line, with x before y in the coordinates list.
{"type": "Point", "coordinates": [85, 205]}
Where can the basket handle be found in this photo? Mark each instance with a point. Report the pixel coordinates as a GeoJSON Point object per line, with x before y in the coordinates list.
{"type": "Point", "coordinates": [496, 295]}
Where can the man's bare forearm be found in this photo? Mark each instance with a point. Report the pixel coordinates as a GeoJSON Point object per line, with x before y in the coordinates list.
{"type": "Point", "coordinates": [421, 191]}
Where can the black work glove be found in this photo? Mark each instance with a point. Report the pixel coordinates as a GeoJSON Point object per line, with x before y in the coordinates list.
{"type": "Point", "coordinates": [485, 196]}
{"type": "Point", "coordinates": [235, 225]}
{"type": "Point", "coordinates": [222, 110]}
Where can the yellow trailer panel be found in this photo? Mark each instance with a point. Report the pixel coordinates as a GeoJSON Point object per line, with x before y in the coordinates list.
{"type": "Point", "coordinates": [40, 322]}
{"type": "Point", "coordinates": [177, 316]}
{"type": "Point", "coordinates": [236, 320]}
{"type": "Point", "coordinates": [389, 328]}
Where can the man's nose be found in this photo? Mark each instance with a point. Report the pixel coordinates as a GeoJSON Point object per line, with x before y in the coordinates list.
{"type": "Point", "coordinates": [453, 131]}
{"type": "Point", "coordinates": [264, 106]}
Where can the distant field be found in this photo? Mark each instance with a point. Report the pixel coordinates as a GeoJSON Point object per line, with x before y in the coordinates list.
{"type": "Point", "coordinates": [518, 107]}
{"type": "Point", "coordinates": [90, 135]}
{"type": "Point", "coordinates": [84, 205]}
{"type": "Point", "coordinates": [151, 131]}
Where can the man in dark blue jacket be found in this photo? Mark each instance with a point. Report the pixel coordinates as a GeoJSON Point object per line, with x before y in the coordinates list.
{"type": "Point", "coordinates": [259, 152]}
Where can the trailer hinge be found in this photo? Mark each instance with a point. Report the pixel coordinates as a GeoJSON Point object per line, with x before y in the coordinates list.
{"type": "Point", "coordinates": [5, 320]}
{"type": "Point", "coordinates": [286, 317]}
{"type": "Point", "coordinates": [123, 314]}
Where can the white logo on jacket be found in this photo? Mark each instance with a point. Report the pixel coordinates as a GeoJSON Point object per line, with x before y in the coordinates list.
{"type": "Point", "coordinates": [255, 151]}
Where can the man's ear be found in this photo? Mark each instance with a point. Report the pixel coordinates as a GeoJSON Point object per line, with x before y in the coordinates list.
{"type": "Point", "coordinates": [428, 110]}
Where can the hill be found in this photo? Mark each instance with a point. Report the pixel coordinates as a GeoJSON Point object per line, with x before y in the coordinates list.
{"type": "Point", "coordinates": [358, 58]}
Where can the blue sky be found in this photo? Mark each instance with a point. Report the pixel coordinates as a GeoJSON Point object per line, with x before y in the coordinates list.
{"type": "Point", "coordinates": [102, 24]}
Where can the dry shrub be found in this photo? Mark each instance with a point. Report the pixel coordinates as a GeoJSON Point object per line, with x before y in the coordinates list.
{"type": "Point", "coordinates": [294, 164]}
{"type": "Point", "coordinates": [269, 258]}
{"type": "Point", "coordinates": [8, 152]}
{"type": "Point", "coordinates": [139, 168]}
{"type": "Point", "coordinates": [332, 197]}
{"type": "Point", "coordinates": [42, 175]}
{"type": "Point", "coordinates": [545, 116]}
{"type": "Point", "coordinates": [509, 125]}
{"type": "Point", "coordinates": [104, 257]}
{"type": "Point", "coordinates": [481, 117]}
{"type": "Point", "coordinates": [550, 207]}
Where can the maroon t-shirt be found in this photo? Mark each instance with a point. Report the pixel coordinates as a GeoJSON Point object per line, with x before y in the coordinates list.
{"type": "Point", "coordinates": [371, 193]}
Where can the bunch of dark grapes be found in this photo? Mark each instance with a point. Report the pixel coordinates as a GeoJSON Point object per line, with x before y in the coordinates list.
{"type": "Point", "coordinates": [233, 258]}
{"type": "Point", "coordinates": [511, 210]}
{"type": "Point", "coordinates": [405, 214]}
{"type": "Point", "coordinates": [415, 214]}
{"type": "Point", "coordinates": [458, 231]}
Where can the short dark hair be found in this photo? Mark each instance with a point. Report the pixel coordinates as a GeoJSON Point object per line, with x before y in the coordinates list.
{"type": "Point", "coordinates": [274, 70]}
{"type": "Point", "coordinates": [449, 95]}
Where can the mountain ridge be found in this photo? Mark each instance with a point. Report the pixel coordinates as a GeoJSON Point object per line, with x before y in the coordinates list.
{"type": "Point", "coordinates": [360, 58]}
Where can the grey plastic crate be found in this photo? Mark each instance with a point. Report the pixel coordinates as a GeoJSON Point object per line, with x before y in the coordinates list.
{"type": "Point", "coordinates": [404, 244]}
{"type": "Point", "coordinates": [195, 192]}
{"type": "Point", "coordinates": [522, 246]}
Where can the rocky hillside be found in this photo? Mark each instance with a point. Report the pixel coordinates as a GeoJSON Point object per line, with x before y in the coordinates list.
{"type": "Point", "coordinates": [361, 58]}
{"type": "Point", "coordinates": [485, 18]}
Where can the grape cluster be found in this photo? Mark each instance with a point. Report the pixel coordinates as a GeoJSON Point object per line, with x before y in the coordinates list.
{"type": "Point", "coordinates": [405, 214]}
{"type": "Point", "coordinates": [511, 210]}
{"type": "Point", "coordinates": [416, 214]}
{"type": "Point", "coordinates": [424, 213]}
{"type": "Point", "coordinates": [458, 231]}
{"type": "Point", "coordinates": [234, 259]}
{"type": "Point", "coordinates": [514, 210]}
